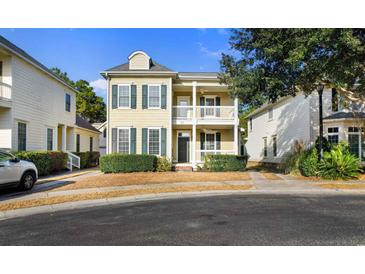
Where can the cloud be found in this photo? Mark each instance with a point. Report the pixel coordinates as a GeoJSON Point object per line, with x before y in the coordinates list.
{"type": "Point", "coordinates": [208, 52]}
{"type": "Point", "coordinates": [99, 86]}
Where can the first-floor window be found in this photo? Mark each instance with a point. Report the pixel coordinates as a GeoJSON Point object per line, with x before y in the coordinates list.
{"type": "Point", "coordinates": [77, 142]}
{"type": "Point", "coordinates": [265, 146]}
{"type": "Point", "coordinates": [274, 145]}
{"type": "Point", "coordinates": [22, 136]}
{"type": "Point", "coordinates": [49, 139]}
{"type": "Point", "coordinates": [332, 135]}
{"type": "Point", "coordinates": [91, 144]}
{"type": "Point", "coordinates": [123, 140]}
{"type": "Point", "coordinates": [154, 141]}
{"type": "Point", "coordinates": [210, 141]}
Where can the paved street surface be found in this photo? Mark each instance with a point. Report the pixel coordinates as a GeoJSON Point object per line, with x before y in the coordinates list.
{"type": "Point", "coordinates": [216, 220]}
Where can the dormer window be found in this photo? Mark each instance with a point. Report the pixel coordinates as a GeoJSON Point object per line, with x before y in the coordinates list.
{"type": "Point", "coordinates": [139, 60]}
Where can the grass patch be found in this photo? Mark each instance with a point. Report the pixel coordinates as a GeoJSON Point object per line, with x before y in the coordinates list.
{"type": "Point", "coordinates": [113, 194]}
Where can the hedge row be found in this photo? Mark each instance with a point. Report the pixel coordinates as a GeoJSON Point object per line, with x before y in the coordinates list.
{"type": "Point", "coordinates": [223, 162]}
{"type": "Point", "coordinates": [88, 159]}
{"type": "Point", "coordinates": [46, 162]}
{"type": "Point", "coordinates": [116, 162]}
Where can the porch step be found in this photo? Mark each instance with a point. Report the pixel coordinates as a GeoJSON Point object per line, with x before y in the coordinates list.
{"type": "Point", "coordinates": [183, 168]}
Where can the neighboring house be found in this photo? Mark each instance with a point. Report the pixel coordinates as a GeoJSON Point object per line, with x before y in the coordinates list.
{"type": "Point", "coordinates": [274, 128]}
{"type": "Point", "coordinates": [102, 137]}
{"type": "Point", "coordinates": [37, 109]}
{"type": "Point", "coordinates": [87, 136]}
{"type": "Point", "coordinates": [152, 109]}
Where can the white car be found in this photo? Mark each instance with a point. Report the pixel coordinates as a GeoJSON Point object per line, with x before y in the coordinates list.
{"type": "Point", "coordinates": [15, 172]}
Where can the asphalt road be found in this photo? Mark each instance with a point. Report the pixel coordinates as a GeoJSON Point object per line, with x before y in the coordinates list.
{"type": "Point", "coordinates": [217, 220]}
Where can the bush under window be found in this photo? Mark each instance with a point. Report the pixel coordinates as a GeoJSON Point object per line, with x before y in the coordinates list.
{"type": "Point", "coordinates": [222, 162]}
{"type": "Point", "coordinates": [116, 162]}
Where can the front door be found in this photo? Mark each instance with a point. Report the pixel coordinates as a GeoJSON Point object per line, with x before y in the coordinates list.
{"type": "Point", "coordinates": [183, 149]}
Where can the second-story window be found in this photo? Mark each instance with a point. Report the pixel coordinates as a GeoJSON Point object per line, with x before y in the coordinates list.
{"type": "Point", "coordinates": [68, 102]}
{"type": "Point", "coordinates": [154, 96]}
{"type": "Point", "coordinates": [271, 113]}
{"type": "Point", "coordinates": [124, 96]}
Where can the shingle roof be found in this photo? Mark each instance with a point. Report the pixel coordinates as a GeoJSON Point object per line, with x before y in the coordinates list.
{"type": "Point", "coordinates": [80, 122]}
{"type": "Point", "coordinates": [154, 67]}
{"type": "Point", "coordinates": [346, 115]}
{"type": "Point", "coordinates": [29, 58]}
{"type": "Point", "coordinates": [212, 74]}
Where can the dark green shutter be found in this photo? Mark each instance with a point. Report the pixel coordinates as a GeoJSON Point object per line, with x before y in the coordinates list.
{"type": "Point", "coordinates": [114, 96]}
{"type": "Point", "coordinates": [144, 140]}
{"type": "Point", "coordinates": [163, 141]}
{"type": "Point", "coordinates": [133, 141]}
{"type": "Point", "coordinates": [218, 140]}
{"type": "Point", "coordinates": [202, 140]}
{"type": "Point", "coordinates": [163, 96]}
{"type": "Point", "coordinates": [133, 96]}
{"type": "Point", "coordinates": [144, 96]}
{"type": "Point", "coordinates": [114, 139]}
{"type": "Point", "coordinates": [202, 103]}
{"type": "Point", "coordinates": [217, 104]}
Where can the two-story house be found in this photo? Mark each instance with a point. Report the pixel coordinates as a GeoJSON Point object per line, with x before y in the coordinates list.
{"type": "Point", "coordinates": [152, 109]}
{"type": "Point", "coordinates": [37, 108]}
{"type": "Point", "coordinates": [274, 128]}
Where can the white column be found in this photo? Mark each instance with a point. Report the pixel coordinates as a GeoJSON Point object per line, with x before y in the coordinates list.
{"type": "Point", "coordinates": [194, 100]}
{"type": "Point", "coordinates": [108, 129]}
{"type": "Point", "coordinates": [194, 146]}
{"type": "Point", "coordinates": [64, 138]}
{"type": "Point", "coordinates": [236, 124]}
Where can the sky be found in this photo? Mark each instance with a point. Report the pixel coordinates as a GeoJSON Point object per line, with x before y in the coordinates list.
{"type": "Point", "coordinates": [84, 53]}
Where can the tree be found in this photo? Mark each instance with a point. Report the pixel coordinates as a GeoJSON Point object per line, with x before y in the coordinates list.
{"type": "Point", "coordinates": [88, 105]}
{"type": "Point", "coordinates": [273, 63]}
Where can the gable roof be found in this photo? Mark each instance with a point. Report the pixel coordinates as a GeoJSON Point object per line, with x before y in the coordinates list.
{"type": "Point", "coordinates": [25, 56]}
{"type": "Point", "coordinates": [80, 122]}
{"type": "Point", "coordinates": [153, 67]}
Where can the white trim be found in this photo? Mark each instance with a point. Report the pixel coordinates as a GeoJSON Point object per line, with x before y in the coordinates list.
{"type": "Point", "coordinates": [159, 141]}
{"type": "Point", "coordinates": [138, 52]}
{"type": "Point", "coordinates": [148, 96]}
{"type": "Point", "coordinates": [177, 144]}
{"type": "Point", "coordinates": [130, 95]}
{"type": "Point", "coordinates": [129, 138]}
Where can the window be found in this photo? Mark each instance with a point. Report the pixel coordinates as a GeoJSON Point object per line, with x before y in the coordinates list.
{"type": "Point", "coordinates": [22, 136]}
{"type": "Point", "coordinates": [154, 141]}
{"type": "Point", "coordinates": [335, 100]}
{"type": "Point", "coordinates": [265, 146]}
{"type": "Point", "coordinates": [49, 139]}
{"type": "Point", "coordinates": [1, 70]}
{"type": "Point", "coordinates": [77, 142]}
{"type": "Point", "coordinates": [104, 133]}
{"type": "Point", "coordinates": [271, 113]}
{"type": "Point", "coordinates": [123, 140]}
{"type": "Point", "coordinates": [274, 145]}
{"type": "Point", "coordinates": [210, 141]}
{"type": "Point", "coordinates": [91, 144]}
{"type": "Point", "coordinates": [354, 143]}
{"type": "Point", "coordinates": [154, 96]}
{"type": "Point", "coordinates": [68, 102]}
{"type": "Point", "coordinates": [250, 124]}
{"type": "Point", "coordinates": [124, 96]}
{"type": "Point", "coordinates": [332, 135]}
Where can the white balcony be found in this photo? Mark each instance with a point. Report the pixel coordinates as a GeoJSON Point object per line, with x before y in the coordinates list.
{"type": "Point", "coordinates": [204, 114]}
{"type": "Point", "coordinates": [5, 95]}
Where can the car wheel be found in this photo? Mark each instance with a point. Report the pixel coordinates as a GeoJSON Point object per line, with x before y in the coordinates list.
{"type": "Point", "coordinates": [27, 181]}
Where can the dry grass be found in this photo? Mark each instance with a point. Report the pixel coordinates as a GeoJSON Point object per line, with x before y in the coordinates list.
{"type": "Point", "coordinates": [145, 178]}
{"type": "Point", "coordinates": [343, 185]}
{"type": "Point", "coordinates": [270, 176]}
{"type": "Point", "coordinates": [112, 194]}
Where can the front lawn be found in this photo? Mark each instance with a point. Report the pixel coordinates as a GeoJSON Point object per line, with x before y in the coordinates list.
{"type": "Point", "coordinates": [145, 178]}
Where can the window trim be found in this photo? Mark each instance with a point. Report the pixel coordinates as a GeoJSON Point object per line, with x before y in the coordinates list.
{"type": "Point", "coordinates": [215, 140]}
{"type": "Point", "coordinates": [130, 94]}
{"type": "Point", "coordinates": [67, 95]}
{"type": "Point", "coordinates": [51, 128]}
{"type": "Point", "coordinates": [265, 148]}
{"type": "Point", "coordinates": [26, 134]}
{"type": "Point", "coordinates": [129, 138]}
{"type": "Point", "coordinates": [159, 140]}
{"type": "Point", "coordinates": [276, 145]}
{"type": "Point", "coordinates": [148, 96]}
{"type": "Point", "coordinates": [333, 134]}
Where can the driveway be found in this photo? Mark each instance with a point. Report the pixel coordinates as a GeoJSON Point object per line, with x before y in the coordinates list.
{"type": "Point", "coordinates": [217, 220]}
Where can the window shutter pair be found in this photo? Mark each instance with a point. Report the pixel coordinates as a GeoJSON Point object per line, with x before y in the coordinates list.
{"type": "Point", "coordinates": [132, 140]}
{"type": "Point", "coordinates": [115, 96]}
{"type": "Point", "coordinates": [162, 141]}
{"type": "Point", "coordinates": [145, 96]}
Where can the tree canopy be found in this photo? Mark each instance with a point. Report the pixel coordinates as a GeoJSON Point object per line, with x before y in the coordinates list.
{"type": "Point", "coordinates": [88, 105]}
{"type": "Point", "coordinates": [267, 64]}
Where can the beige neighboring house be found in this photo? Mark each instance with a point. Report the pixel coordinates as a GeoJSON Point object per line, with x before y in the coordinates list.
{"type": "Point", "coordinates": [38, 109]}
{"type": "Point", "coordinates": [274, 128]}
{"type": "Point", "coordinates": [152, 109]}
{"type": "Point", "coordinates": [102, 137]}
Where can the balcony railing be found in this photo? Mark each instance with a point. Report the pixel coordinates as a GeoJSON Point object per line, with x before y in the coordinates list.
{"type": "Point", "coordinates": [5, 91]}
{"type": "Point", "coordinates": [204, 112]}
{"type": "Point", "coordinates": [200, 154]}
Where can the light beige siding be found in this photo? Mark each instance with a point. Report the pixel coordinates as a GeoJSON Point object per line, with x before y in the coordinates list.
{"type": "Point", "coordinates": [139, 61]}
{"type": "Point", "coordinates": [85, 139]}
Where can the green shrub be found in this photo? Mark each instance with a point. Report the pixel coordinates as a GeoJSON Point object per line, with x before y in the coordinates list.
{"type": "Point", "coordinates": [339, 163]}
{"type": "Point", "coordinates": [88, 159]}
{"type": "Point", "coordinates": [163, 164]}
{"type": "Point", "coordinates": [223, 162]}
{"type": "Point", "coordinates": [308, 162]}
{"type": "Point", "coordinates": [116, 162]}
{"type": "Point", "coordinates": [46, 162]}
{"type": "Point", "coordinates": [290, 163]}
{"type": "Point", "coordinates": [325, 144]}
